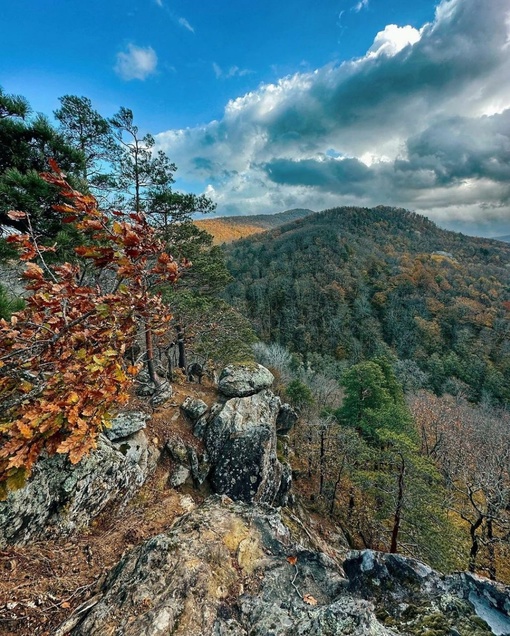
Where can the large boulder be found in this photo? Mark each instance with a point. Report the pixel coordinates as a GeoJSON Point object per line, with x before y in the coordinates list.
{"type": "Point", "coordinates": [223, 570]}
{"type": "Point", "coordinates": [61, 497]}
{"type": "Point", "coordinates": [228, 568]}
{"type": "Point", "coordinates": [240, 380]}
{"type": "Point", "coordinates": [240, 439]}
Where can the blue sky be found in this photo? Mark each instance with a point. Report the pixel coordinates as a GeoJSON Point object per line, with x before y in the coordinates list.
{"type": "Point", "coordinates": [270, 105]}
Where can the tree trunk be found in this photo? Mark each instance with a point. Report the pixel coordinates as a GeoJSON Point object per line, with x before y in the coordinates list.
{"type": "Point", "coordinates": [397, 519]}
{"type": "Point", "coordinates": [475, 544]}
{"type": "Point", "coordinates": [491, 550]}
{"type": "Point", "coordinates": [322, 462]}
{"type": "Point", "coordinates": [181, 348]}
{"type": "Point", "coordinates": [149, 355]}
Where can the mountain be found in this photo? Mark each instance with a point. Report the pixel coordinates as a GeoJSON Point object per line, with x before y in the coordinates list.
{"type": "Point", "coordinates": [505, 239]}
{"type": "Point", "coordinates": [357, 283]}
{"type": "Point", "coordinates": [231, 228]}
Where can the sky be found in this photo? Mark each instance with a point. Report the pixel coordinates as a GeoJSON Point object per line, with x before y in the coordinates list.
{"type": "Point", "coordinates": [266, 106]}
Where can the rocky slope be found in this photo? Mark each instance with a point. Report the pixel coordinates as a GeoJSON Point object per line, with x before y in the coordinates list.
{"type": "Point", "coordinates": [232, 568]}
{"type": "Point", "coordinates": [240, 563]}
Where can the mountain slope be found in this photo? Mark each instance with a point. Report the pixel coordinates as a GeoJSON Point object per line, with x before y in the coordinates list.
{"type": "Point", "coordinates": [231, 228]}
{"type": "Point", "coordinates": [356, 283]}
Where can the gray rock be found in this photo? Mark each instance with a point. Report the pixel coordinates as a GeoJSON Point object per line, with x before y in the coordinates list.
{"type": "Point", "coordinates": [162, 393]}
{"type": "Point", "coordinates": [240, 439]}
{"type": "Point", "coordinates": [414, 598]}
{"type": "Point", "coordinates": [200, 426]}
{"type": "Point", "coordinates": [193, 459]}
{"type": "Point", "coordinates": [240, 380]}
{"type": "Point", "coordinates": [126, 424]}
{"type": "Point", "coordinates": [60, 497]}
{"type": "Point", "coordinates": [158, 393]}
{"type": "Point", "coordinates": [287, 418]}
{"type": "Point", "coordinates": [193, 408]}
{"type": "Point", "coordinates": [179, 476]}
{"type": "Point", "coordinates": [223, 570]}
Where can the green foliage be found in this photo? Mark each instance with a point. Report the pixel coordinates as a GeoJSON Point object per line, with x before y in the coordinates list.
{"type": "Point", "coordinates": [299, 394]}
{"type": "Point", "coordinates": [26, 144]}
{"type": "Point", "coordinates": [9, 304]}
{"type": "Point", "coordinates": [138, 171]}
{"type": "Point", "coordinates": [364, 283]}
{"type": "Point", "coordinates": [86, 130]}
{"type": "Point", "coordinates": [366, 390]}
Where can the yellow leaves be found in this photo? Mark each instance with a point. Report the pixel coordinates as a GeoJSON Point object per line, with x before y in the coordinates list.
{"type": "Point", "coordinates": [25, 429]}
{"type": "Point", "coordinates": [103, 310]}
{"type": "Point", "coordinates": [14, 481]}
{"type": "Point", "coordinates": [73, 398]}
{"type": "Point", "coordinates": [117, 228]}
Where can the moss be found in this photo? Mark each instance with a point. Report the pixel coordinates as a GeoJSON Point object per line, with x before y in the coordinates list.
{"type": "Point", "coordinates": [436, 622]}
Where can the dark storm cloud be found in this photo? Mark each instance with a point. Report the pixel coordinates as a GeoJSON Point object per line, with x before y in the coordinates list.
{"type": "Point", "coordinates": [345, 176]}
{"type": "Point", "coordinates": [463, 148]}
{"type": "Point", "coordinates": [465, 45]}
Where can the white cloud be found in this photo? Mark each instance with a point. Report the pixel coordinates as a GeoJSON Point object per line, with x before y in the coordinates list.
{"type": "Point", "coordinates": [184, 23]}
{"type": "Point", "coordinates": [362, 4]}
{"type": "Point", "coordinates": [136, 62]}
{"type": "Point", "coordinates": [393, 39]}
{"type": "Point", "coordinates": [233, 71]}
{"type": "Point", "coordinates": [420, 121]}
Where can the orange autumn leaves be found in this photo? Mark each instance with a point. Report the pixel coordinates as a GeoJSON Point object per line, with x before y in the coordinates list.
{"type": "Point", "coordinates": [62, 368]}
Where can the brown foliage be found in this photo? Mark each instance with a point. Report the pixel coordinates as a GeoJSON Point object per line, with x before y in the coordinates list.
{"type": "Point", "coordinates": [61, 358]}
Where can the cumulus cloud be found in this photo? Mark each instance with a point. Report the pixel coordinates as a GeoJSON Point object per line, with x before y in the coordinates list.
{"type": "Point", "coordinates": [136, 62]}
{"type": "Point", "coordinates": [422, 121]}
{"type": "Point", "coordinates": [393, 39]}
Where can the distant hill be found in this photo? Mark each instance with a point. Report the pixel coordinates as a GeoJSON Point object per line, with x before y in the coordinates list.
{"type": "Point", "coordinates": [231, 228]}
{"type": "Point", "coordinates": [505, 239]}
{"type": "Point", "coordinates": [355, 283]}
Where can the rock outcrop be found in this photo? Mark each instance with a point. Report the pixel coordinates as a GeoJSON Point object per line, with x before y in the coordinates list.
{"type": "Point", "coordinates": [240, 380]}
{"type": "Point", "coordinates": [239, 432]}
{"type": "Point", "coordinates": [239, 435]}
{"type": "Point", "coordinates": [228, 568]}
{"type": "Point", "coordinates": [60, 497]}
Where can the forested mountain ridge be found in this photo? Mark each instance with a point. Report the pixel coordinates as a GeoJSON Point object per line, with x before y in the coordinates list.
{"type": "Point", "coordinates": [226, 229]}
{"type": "Point", "coordinates": [356, 283]}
